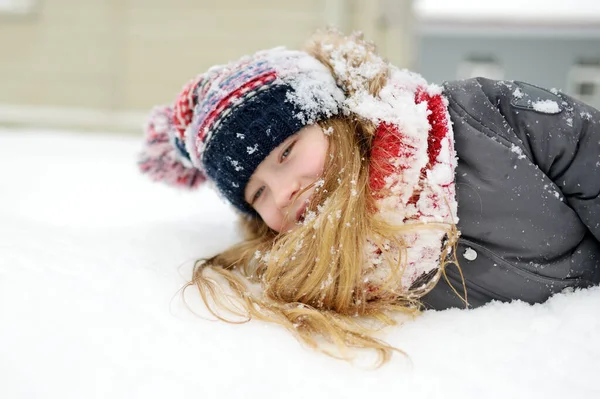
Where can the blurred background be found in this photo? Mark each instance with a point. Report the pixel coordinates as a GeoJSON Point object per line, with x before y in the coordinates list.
{"type": "Point", "coordinates": [100, 65]}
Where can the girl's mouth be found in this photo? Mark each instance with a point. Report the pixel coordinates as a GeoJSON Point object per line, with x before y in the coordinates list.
{"type": "Point", "coordinates": [300, 213]}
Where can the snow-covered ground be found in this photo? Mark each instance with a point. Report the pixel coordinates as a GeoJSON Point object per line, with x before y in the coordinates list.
{"type": "Point", "coordinates": [92, 256]}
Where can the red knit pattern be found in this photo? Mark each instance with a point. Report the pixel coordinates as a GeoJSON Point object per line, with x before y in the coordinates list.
{"type": "Point", "coordinates": [389, 143]}
{"type": "Point", "coordinates": [406, 194]}
{"type": "Point", "coordinates": [438, 122]}
{"type": "Point", "coordinates": [184, 108]}
{"type": "Point", "coordinates": [184, 104]}
{"type": "Point", "coordinates": [159, 158]}
{"type": "Point", "coordinates": [385, 148]}
{"type": "Point", "coordinates": [251, 85]}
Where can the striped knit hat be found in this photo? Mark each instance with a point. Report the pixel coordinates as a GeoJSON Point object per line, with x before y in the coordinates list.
{"type": "Point", "coordinates": [226, 121]}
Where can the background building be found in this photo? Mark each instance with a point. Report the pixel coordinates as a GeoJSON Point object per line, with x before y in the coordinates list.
{"type": "Point", "coordinates": [101, 64]}
{"type": "Point", "coordinates": [551, 44]}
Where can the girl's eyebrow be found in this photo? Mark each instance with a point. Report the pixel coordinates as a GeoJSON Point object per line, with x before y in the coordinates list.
{"type": "Point", "coordinates": [287, 140]}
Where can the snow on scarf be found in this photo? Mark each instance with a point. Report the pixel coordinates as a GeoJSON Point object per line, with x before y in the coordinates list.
{"type": "Point", "coordinates": [413, 162]}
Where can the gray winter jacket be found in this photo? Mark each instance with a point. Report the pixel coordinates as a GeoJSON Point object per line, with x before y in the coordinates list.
{"type": "Point", "coordinates": [528, 192]}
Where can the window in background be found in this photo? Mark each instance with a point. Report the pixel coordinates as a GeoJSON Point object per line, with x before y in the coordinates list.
{"type": "Point", "coordinates": [480, 66]}
{"type": "Point", "coordinates": [16, 6]}
{"type": "Point", "coordinates": [584, 81]}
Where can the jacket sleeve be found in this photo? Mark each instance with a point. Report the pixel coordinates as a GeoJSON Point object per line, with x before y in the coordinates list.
{"type": "Point", "coordinates": [562, 137]}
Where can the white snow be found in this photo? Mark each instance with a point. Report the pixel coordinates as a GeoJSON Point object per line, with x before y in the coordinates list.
{"type": "Point", "coordinates": [518, 93]}
{"type": "Point", "coordinates": [470, 254]}
{"type": "Point", "coordinates": [315, 91]}
{"type": "Point", "coordinates": [517, 150]}
{"type": "Point", "coordinates": [92, 255]}
{"type": "Point", "coordinates": [252, 150]}
{"type": "Point", "coordinates": [546, 106]}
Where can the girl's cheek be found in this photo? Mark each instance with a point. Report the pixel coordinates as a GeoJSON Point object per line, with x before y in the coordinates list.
{"type": "Point", "coordinates": [270, 219]}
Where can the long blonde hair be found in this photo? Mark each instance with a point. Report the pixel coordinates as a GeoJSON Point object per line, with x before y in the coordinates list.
{"type": "Point", "coordinates": [310, 280]}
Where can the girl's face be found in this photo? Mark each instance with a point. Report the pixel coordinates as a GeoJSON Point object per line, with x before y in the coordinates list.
{"type": "Point", "coordinates": [293, 165]}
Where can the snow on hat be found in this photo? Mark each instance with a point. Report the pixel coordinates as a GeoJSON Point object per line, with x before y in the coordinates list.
{"type": "Point", "coordinates": [225, 122]}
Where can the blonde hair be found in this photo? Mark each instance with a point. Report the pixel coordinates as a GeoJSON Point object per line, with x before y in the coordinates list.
{"type": "Point", "coordinates": [310, 280]}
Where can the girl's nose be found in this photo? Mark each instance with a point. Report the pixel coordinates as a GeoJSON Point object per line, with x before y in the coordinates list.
{"type": "Point", "coordinates": [285, 193]}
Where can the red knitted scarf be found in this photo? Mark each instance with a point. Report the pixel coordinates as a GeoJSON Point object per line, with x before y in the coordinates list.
{"type": "Point", "coordinates": [430, 199]}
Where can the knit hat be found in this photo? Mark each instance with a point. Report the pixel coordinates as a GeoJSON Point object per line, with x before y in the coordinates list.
{"type": "Point", "coordinates": [225, 122]}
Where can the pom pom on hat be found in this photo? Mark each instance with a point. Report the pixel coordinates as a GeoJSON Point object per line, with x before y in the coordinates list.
{"type": "Point", "coordinates": [164, 157]}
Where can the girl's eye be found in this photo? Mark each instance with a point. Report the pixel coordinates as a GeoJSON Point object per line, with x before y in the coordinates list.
{"type": "Point", "coordinates": [287, 151]}
{"type": "Point", "coordinates": [257, 194]}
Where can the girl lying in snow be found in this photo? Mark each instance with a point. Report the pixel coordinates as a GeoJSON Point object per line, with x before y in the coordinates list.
{"type": "Point", "coordinates": [362, 187]}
